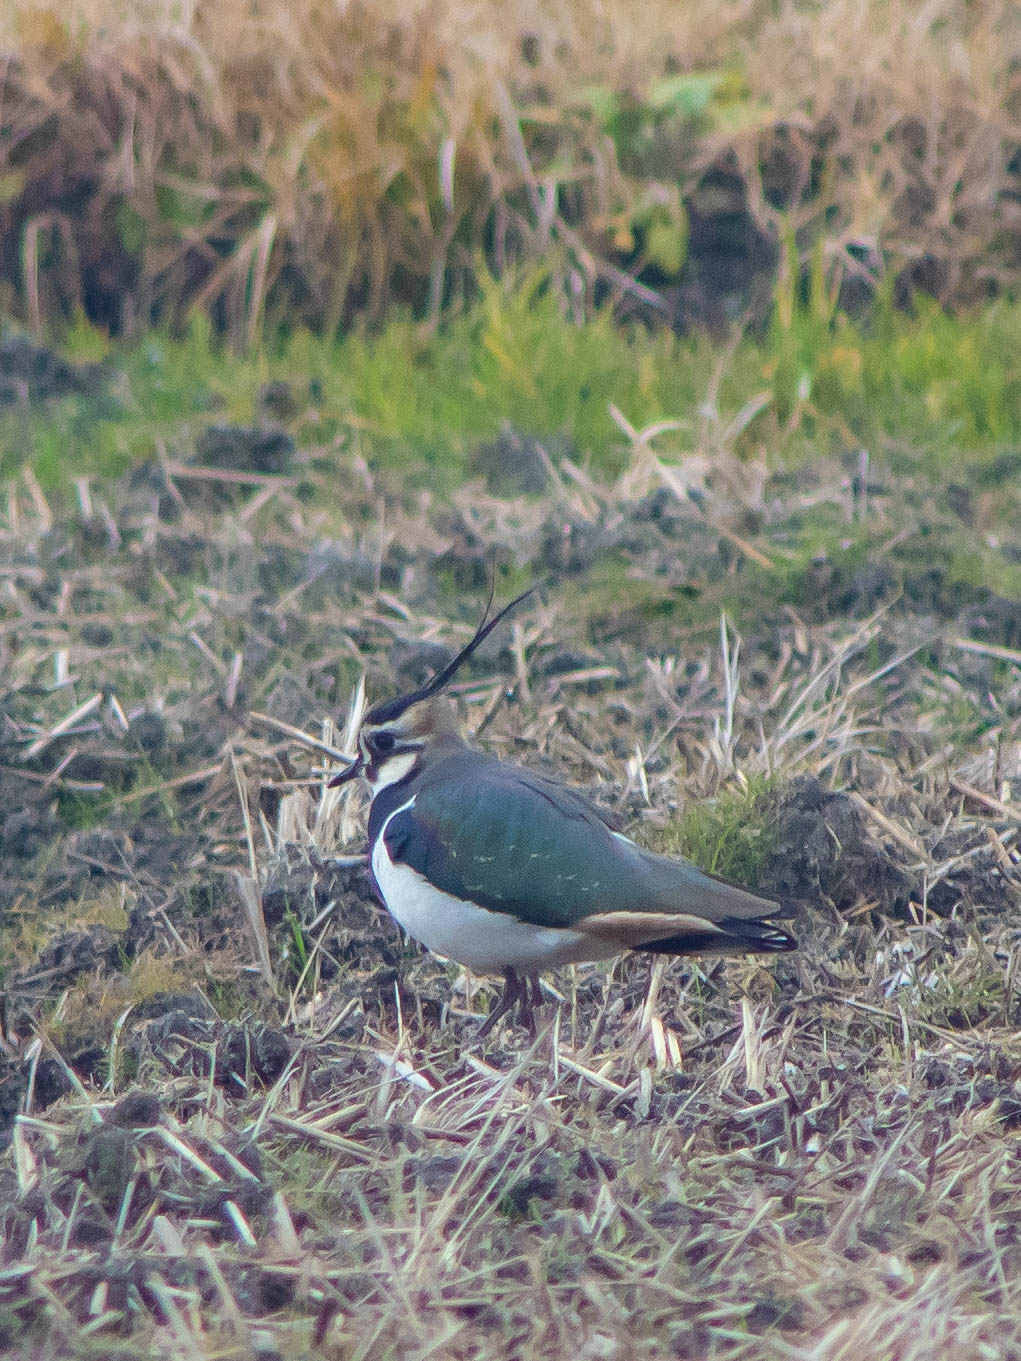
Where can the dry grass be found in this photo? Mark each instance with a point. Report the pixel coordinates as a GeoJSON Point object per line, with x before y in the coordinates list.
{"type": "Point", "coordinates": [245, 1119]}
{"type": "Point", "coordinates": [309, 163]}
{"type": "Point", "coordinates": [781, 1196]}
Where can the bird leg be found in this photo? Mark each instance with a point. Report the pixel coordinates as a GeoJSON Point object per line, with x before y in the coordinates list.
{"type": "Point", "coordinates": [514, 991]}
{"type": "Point", "coordinates": [528, 984]}
{"type": "Point", "coordinates": [533, 979]}
{"type": "Point", "coordinates": [522, 991]}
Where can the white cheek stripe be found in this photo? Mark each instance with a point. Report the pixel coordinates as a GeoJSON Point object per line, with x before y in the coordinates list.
{"type": "Point", "coordinates": [392, 769]}
{"type": "Point", "coordinates": [473, 936]}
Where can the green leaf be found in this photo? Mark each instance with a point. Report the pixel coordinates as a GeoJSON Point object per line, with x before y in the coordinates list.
{"type": "Point", "coordinates": [11, 186]}
{"type": "Point", "coordinates": [666, 242]}
{"type": "Point", "coordinates": [602, 102]}
{"type": "Point", "coordinates": [180, 207]}
{"type": "Point", "coordinates": [688, 95]}
{"type": "Point", "coordinates": [130, 227]}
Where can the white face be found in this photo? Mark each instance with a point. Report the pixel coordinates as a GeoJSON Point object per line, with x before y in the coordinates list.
{"type": "Point", "coordinates": [390, 771]}
{"type": "Point", "coordinates": [388, 755]}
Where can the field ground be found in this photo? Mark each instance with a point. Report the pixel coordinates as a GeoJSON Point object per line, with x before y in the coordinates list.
{"type": "Point", "coordinates": [252, 1119]}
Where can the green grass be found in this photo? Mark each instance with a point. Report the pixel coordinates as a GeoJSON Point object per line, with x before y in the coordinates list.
{"type": "Point", "coordinates": [729, 836]}
{"type": "Point", "coordinates": [918, 387]}
{"type": "Point", "coordinates": [922, 389]}
{"type": "Point", "coordinates": [963, 992]}
{"type": "Point", "coordinates": [929, 396]}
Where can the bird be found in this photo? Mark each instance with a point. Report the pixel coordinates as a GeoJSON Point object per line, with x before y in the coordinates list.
{"type": "Point", "coordinates": [508, 871]}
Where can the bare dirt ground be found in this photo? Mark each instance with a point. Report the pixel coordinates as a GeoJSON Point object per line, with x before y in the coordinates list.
{"type": "Point", "coordinates": [245, 1118]}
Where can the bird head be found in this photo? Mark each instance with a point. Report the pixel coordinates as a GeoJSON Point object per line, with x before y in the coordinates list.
{"type": "Point", "coordinates": [395, 735]}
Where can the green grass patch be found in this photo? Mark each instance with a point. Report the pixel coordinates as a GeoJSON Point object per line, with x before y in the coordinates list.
{"type": "Point", "coordinates": [963, 992]}
{"type": "Point", "coordinates": [408, 399]}
{"type": "Point", "coordinates": [729, 835]}
{"type": "Point", "coordinates": [920, 387]}
{"type": "Point", "coordinates": [922, 393]}
{"type": "Point", "coordinates": [924, 386]}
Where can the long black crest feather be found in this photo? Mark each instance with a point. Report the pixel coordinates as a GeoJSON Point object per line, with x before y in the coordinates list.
{"type": "Point", "coordinates": [393, 708]}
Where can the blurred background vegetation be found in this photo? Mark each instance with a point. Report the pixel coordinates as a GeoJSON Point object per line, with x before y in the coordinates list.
{"type": "Point", "coordinates": [308, 163]}
{"type": "Point", "coordinates": [777, 231]}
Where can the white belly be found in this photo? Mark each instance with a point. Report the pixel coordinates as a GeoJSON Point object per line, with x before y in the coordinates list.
{"type": "Point", "coordinates": [485, 941]}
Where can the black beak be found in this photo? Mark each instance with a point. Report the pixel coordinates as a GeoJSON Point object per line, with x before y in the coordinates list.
{"type": "Point", "coordinates": [349, 774]}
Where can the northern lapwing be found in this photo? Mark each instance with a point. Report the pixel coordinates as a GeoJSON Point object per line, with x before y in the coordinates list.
{"type": "Point", "coordinates": [508, 871]}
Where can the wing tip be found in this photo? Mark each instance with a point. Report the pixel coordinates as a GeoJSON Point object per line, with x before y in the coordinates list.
{"type": "Point", "coordinates": [727, 936]}
{"type": "Point", "coordinates": [761, 934]}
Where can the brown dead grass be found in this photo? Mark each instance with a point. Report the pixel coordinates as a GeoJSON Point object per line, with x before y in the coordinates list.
{"type": "Point", "coordinates": [309, 162]}
{"type": "Point", "coordinates": [782, 1196]}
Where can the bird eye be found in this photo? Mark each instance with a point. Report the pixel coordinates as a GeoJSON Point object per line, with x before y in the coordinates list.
{"type": "Point", "coordinates": [382, 743]}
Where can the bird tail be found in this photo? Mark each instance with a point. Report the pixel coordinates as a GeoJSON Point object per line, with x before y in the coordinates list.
{"type": "Point", "coordinates": [738, 920]}
{"type": "Point", "coordinates": [731, 936]}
